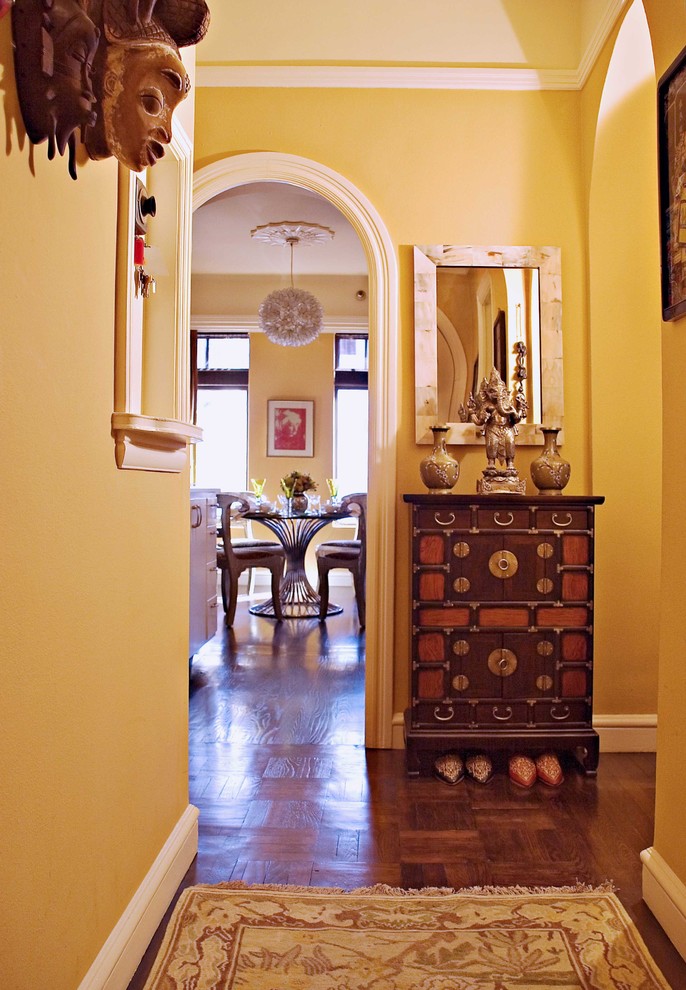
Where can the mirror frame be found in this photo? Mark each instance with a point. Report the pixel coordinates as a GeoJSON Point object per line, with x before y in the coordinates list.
{"type": "Point", "coordinates": [427, 257]}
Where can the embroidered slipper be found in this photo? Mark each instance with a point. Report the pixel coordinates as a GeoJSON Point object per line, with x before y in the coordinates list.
{"type": "Point", "coordinates": [522, 771]}
{"type": "Point", "coordinates": [479, 767]}
{"type": "Point", "coordinates": [449, 768]}
{"type": "Point", "coordinates": [549, 770]}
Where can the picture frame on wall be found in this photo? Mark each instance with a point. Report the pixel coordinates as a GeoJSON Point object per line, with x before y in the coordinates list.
{"type": "Point", "coordinates": [671, 122]}
{"type": "Point", "coordinates": [290, 428]}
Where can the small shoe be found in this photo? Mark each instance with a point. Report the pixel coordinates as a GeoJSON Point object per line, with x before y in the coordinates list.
{"type": "Point", "coordinates": [449, 768]}
{"type": "Point", "coordinates": [479, 767]}
{"type": "Point", "coordinates": [522, 771]}
{"type": "Point", "coordinates": [549, 770]}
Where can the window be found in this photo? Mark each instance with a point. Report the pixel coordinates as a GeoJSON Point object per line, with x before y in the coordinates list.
{"type": "Point", "coordinates": [351, 380]}
{"type": "Point", "coordinates": [221, 410]}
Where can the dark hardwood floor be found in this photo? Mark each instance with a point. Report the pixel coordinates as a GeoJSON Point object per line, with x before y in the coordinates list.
{"type": "Point", "coordinates": [287, 793]}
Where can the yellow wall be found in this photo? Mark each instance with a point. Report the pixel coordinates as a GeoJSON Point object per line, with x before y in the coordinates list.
{"type": "Point", "coordinates": [291, 373]}
{"type": "Point", "coordinates": [625, 331]}
{"type": "Point", "coordinates": [667, 22]}
{"type": "Point", "coordinates": [458, 167]}
{"type": "Point", "coordinates": [95, 584]}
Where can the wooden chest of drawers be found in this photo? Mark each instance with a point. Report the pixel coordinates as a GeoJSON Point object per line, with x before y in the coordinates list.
{"type": "Point", "coordinates": [502, 626]}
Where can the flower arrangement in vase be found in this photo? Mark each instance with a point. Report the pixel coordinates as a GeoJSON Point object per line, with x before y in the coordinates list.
{"type": "Point", "coordinates": [294, 486]}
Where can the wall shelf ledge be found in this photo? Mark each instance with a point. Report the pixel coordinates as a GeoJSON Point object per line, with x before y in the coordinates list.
{"type": "Point", "coordinates": [152, 443]}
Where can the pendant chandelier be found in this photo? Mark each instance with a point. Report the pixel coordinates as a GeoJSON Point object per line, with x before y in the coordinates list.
{"type": "Point", "coordinates": [291, 317]}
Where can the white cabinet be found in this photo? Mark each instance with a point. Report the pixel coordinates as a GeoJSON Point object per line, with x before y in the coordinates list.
{"type": "Point", "coordinates": [203, 567]}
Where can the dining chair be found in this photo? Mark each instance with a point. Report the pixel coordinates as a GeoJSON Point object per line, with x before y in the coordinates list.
{"type": "Point", "coordinates": [347, 554]}
{"type": "Point", "coordinates": [236, 556]}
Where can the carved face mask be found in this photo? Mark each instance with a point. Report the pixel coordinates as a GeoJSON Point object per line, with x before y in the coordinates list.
{"type": "Point", "coordinates": [75, 41]}
{"type": "Point", "coordinates": [143, 86]}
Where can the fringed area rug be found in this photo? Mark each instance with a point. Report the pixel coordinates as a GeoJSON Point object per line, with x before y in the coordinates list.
{"type": "Point", "coordinates": [235, 937]}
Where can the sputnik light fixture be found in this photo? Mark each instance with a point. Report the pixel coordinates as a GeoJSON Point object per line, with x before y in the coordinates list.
{"type": "Point", "coordinates": [291, 317]}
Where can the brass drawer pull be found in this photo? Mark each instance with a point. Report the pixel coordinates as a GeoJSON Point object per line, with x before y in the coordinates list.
{"type": "Point", "coordinates": [508, 522]}
{"type": "Point", "coordinates": [444, 718]}
{"type": "Point", "coordinates": [558, 522]}
{"type": "Point", "coordinates": [502, 718]}
{"type": "Point", "coordinates": [448, 523]}
{"type": "Point", "coordinates": [560, 718]}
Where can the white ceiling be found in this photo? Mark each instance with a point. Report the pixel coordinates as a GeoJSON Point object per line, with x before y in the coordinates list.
{"type": "Point", "coordinates": [222, 243]}
{"type": "Point", "coordinates": [534, 33]}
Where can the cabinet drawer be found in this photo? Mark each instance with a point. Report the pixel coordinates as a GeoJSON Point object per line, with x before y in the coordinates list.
{"type": "Point", "coordinates": [499, 520]}
{"type": "Point", "coordinates": [438, 518]}
{"type": "Point", "coordinates": [440, 713]}
{"type": "Point", "coordinates": [564, 518]}
{"type": "Point", "coordinates": [561, 712]}
{"type": "Point", "coordinates": [505, 713]}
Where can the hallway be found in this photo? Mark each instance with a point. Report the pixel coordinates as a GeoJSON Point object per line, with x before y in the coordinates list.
{"type": "Point", "coordinates": [288, 795]}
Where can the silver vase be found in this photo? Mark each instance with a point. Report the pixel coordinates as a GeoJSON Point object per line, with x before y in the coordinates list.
{"type": "Point", "coordinates": [550, 471]}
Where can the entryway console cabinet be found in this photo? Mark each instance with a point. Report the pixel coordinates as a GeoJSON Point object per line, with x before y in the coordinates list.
{"type": "Point", "coordinates": [502, 626]}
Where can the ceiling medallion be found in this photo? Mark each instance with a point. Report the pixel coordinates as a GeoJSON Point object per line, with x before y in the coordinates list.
{"type": "Point", "coordinates": [291, 317]}
{"type": "Point", "coordinates": [283, 231]}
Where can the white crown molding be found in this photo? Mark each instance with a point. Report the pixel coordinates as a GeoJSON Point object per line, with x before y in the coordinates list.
{"type": "Point", "coordinates": [229, 323]}
{"type": "Point", "coordinates": [383, 77]}
{"type": "Point", "coordinates": [414, 77]}
{"type": "Point", "coordinates": [602, 32]}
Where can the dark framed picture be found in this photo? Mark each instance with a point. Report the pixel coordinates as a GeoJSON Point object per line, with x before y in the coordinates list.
{"type": "Point", "coordinates": [671, 122]}
{"type": "Point", "coordinates": [290, 427]}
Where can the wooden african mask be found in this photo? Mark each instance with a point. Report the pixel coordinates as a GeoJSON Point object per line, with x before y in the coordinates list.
{"type": "Point", "coordinates": [109, 69]}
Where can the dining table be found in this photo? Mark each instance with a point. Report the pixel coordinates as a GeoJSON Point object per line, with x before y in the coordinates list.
{"type": "Point", "coordinates": [295, 530]}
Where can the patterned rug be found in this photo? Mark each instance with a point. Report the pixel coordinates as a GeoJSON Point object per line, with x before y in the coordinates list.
{"type": "Point", "coordinates": [234, 937]}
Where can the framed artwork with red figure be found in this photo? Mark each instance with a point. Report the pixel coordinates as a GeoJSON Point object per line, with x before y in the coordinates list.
{"type": "Point", "coordinates": [290, 427]}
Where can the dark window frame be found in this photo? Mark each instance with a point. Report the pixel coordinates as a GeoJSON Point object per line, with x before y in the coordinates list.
{"type": "Point", "coordinates": [238, 378]}
{"type": "Point", "coordinates": [349, 379]}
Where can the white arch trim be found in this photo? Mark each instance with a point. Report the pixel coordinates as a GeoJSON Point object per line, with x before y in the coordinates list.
{"type": "Point", "coordinates": [240, 170]}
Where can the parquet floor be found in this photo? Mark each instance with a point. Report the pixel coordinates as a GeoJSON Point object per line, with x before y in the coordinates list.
{"type": "Point", "coordinates": [288, 794]}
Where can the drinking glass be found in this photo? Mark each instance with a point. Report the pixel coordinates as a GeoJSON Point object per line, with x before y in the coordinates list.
{"type": "Point", "coordinates": [258, 486]}
{"type": "Point", "coordinates": [332, 485]}
{"type": "Point", "coordinates": [314, 503]}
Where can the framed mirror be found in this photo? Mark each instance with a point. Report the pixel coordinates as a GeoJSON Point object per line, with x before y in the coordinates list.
{"type": "Point", "coordinates": [476, 308]}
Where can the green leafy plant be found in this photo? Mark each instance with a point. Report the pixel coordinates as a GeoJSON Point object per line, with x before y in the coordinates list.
{"type": "Point", "coordinates": [296, 483]}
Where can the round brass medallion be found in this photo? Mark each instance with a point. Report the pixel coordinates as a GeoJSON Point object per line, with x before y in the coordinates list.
{"type": "Point", "coordinates": [461, 648]}
{"type": "Point", "coordinates": [544, 550]}
{"type": "Point", "coordinates": [503, 564]}
{"type": "Point", "coordinates": [461, 682]}
{"type": "Point", "coordinates": [461, 549]}
{"type": "Point", "coordinates": [544, 682]}
{"type": "Point", "coordinates": [544, 648]}
{"type": "Point", "coordinates": [502, 662]}
{"type": "Point", "coordinates": [544, 585]}
{"type": "Point", "coordinates": [461, 585]}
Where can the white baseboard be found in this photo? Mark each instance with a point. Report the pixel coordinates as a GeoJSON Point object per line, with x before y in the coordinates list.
{"type": "Point", "coordinates": [398, 731]}
{"type": "Point", "coordinates": [618, 733]}
{"type": "Point", "coordinates": [626, 733]}
{"type": "Point", "coordinates": [665, 895]}
{"type": "Point", "coordinates": [119, 957]}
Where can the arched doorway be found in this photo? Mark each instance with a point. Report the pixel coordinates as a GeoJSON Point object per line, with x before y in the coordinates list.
{"type": "Point", "coordinates": [240, 170]}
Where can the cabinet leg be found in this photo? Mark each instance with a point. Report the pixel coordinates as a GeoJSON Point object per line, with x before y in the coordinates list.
{"type": "Point", "coordinates": [412, 765]}
{"type": "Point", "coordinates": [588, 756]}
